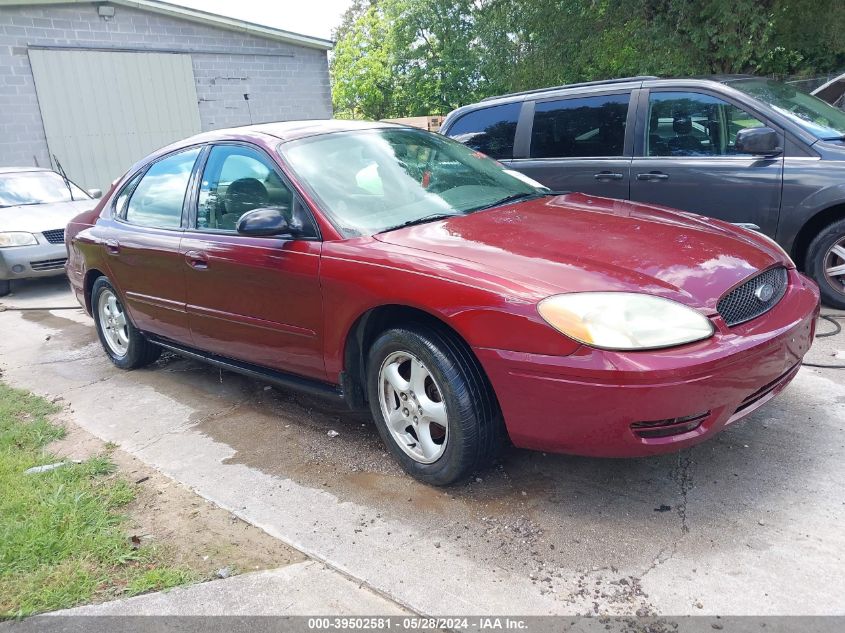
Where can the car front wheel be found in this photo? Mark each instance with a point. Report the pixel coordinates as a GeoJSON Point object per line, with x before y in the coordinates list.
{"type": "Point", "coordinates": [826, 263]}
{"type": "Point", "coordinates": [124, 344]}
{"type": "Point", "coordinates": [5, 287]}
{"type": "Point", "coordinates": [432, 404]}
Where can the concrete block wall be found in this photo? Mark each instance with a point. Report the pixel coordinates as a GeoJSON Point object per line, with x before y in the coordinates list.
{"type": "Point", "coordinates": [283, 81]}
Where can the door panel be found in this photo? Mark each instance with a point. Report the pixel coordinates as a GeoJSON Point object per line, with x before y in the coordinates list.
{"type": "Point", "coordinates": [256, 299]}
{"type": "Point", "coordinates": [146, 267]}
{"type": "Point", "coordinates": [607, 177]}
{"type": "Point", "coordinates": [691, 163]}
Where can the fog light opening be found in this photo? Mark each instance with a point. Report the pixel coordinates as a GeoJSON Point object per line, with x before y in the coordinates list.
{"type": "Point", "coordinates": [667, 428]}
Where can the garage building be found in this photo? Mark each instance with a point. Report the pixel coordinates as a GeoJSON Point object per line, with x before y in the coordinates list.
{"type": "Point", "coordinates": [100, 85]}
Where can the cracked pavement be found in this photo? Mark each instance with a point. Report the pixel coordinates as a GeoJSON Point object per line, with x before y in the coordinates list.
{"type": "Point", "coordinates": [748, 523]}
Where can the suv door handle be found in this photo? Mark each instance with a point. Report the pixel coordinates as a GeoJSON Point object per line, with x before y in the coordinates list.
{"type": "Point", "coordinates": [197, 260]}
{"type": "Point", "coordinates": [608, 175]}
{"type": "Point", "coordinates": [112, 247]}
{"type": "Point", "coordinates": [653, 175]}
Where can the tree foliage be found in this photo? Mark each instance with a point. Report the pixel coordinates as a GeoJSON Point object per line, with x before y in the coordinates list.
{"type": "Point", "coordinates": [416, 57]}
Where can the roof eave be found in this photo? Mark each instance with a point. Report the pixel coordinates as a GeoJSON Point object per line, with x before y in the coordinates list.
{"type": "Point", "coordinates": [203, 17]}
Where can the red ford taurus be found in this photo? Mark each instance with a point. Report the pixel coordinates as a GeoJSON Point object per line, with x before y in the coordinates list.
{"type": "Point", "coordinates": [459, 301]}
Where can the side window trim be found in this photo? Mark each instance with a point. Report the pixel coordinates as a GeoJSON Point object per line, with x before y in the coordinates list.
{"type": "Point", "coordinates": [643, 121]}
{"type": "Point", "coordinates": [627, 143]}
{"type": "Point", "coordinates": [202, 161]}
{"type": "Point", "coordinates": [129, 187]}
{"type": "Point", "coordinates": [121, 217]}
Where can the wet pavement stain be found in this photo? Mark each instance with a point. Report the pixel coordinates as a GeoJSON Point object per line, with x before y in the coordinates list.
{"type": "Point", "coordinates": [533, 513]}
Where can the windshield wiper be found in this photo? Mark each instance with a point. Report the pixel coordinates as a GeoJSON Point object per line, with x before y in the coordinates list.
{"type": "Point", "coordinates": [422, 220]}
{"type": "Point", "coordinates": [64, 177]}
{"type": "Point", "coordinates": [515, 197]}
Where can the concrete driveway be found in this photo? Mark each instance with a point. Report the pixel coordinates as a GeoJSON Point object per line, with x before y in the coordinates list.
{"type": "Point", "coordinates": [748, 523]}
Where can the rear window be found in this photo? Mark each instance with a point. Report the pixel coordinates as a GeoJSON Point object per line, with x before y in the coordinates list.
{"type": "Point", "coordinates": [584, 127]}
{"type": "Point", "coordinates": [490, 130]}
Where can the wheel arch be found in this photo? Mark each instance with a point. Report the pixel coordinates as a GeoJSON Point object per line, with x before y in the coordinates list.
{"type": "Point", "coordinates": [91, 276]}
{"type": "Point", "coordinates": [368, 326]}
{"type": "Point", "coordinates": [811, 228]}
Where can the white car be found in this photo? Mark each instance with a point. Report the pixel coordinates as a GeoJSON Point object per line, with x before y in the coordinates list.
{"type": "Point", "coordinates": [35, 206]}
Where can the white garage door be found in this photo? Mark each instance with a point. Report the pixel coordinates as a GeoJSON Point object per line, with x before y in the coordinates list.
{"type": "Point", "coordinates": [103, 111]}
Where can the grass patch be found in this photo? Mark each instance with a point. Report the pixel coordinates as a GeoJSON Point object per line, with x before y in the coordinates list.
{"type": "Point", "coordinates": [62, 538]}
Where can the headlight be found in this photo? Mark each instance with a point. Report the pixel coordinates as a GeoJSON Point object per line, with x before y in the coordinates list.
{"type": "Point", "coordinates": [624, 320]}
{"type": "Point", "coordinates": [17, 238]}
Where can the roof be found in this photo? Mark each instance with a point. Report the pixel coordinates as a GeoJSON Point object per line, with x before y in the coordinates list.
{"type": "Point", "coordinates": [17, 170]}
{"type": "Point", "coordinates": [601, 82]}
{"type": "Point", "coordinates": [285, 130]}
{"type": "Point", "coordinates": [196, 15]}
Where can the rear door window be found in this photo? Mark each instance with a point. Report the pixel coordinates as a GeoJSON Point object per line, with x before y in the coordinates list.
{"type": "Point", "coordinates": [158, 199]}
{"type": "Point", "coordinates": [579, 128]}
{"type": "Point", "coordinates": [490, 130]}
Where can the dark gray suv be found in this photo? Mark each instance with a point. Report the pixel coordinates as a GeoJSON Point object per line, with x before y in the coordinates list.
{"type": "Point", "coordinates": [740, 148]}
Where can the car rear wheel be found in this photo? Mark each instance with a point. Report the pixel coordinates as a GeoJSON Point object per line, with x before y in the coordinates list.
{"type": "Point", "coordinates": [432, 404]}
{"type": "Point", "coordinates": [5, 287]}
{"type": "Point", "coordinates": [826, 263]}
{"type": "Point", "coordinates": [124, 344]}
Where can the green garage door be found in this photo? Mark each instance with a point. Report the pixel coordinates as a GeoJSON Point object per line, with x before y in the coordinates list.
{"type": "Point", "coordinates": [102, 111]}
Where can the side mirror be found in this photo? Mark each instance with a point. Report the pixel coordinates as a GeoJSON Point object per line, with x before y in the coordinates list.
{"type": "Point", "coordinates": [95, 193]}
{"type": "Point", "coordinates": [762, 141]}
{"type": "Point", "coordinates": [266, 221]}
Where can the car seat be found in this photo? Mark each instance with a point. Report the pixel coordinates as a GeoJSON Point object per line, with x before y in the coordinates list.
{"type": "Point", "coordinates": [242, 195]}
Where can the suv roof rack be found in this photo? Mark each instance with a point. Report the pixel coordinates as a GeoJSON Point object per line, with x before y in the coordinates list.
{"type": "Point", "coordinates": [578, 85]}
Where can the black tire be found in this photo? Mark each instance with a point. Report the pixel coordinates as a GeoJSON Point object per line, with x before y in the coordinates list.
{"type": "Point", "coordinates": [139, 352]}
{"type": "Point", "coordinates": [5, 287]}
{"type": "Point", "coordinates": [475, 433]}
{"type": "Point", "coordinates": [815, 264]}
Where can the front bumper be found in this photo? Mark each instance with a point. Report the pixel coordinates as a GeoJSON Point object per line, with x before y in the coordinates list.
{"type": "Point", "coordinates": [39, 260]}
{"type": "Point", "coordinates": [602, 403]}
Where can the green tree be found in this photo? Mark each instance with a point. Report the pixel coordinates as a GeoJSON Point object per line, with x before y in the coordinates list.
{"type": "Point", "coordinates": [410, 57]}
{"type": "Point", "coordinates": [363, 84]}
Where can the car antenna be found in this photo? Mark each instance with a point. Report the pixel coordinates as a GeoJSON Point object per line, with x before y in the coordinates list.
{"type": "Point", "coordinates": [62, 173]}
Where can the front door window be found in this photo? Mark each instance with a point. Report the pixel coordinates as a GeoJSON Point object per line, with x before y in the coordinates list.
{"type": "Point", "coordinates": [694, 124]}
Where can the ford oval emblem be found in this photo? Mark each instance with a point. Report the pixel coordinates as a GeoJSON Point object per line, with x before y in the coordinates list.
{"type": "Point", "coordinates": [764, 292]}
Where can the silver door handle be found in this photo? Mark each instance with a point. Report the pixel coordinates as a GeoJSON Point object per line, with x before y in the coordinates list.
{"type": "Point", "coordinates": [608, 175]}
{"type": "Point", "coordinates": [653, 175]}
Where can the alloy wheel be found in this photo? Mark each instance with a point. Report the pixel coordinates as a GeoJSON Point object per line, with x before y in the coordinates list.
{"type": "Point", "coordinates": [834, 265]}
{"type": "Point", "coordinates": [113, 322]}
{"type": "Point", "coordinates": [413, 407]}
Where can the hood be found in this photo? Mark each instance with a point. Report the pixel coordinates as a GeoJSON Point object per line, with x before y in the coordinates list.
{"type": "Point", "coordinates": [42, 217]}
{"type": "Point", "coordinates": [575, 242]}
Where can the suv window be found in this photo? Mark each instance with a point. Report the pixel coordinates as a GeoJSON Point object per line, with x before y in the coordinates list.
{"type": "Point", "coordinates": [490, 130]}
{"type": "Point", "coordinates": [694, 124]}
{"type": "Point", "coordinates": [237, 179]}
{"type": "Point", "coordinates": [583, 127]}
{"type": "Point", "coordinates": [158, 199]}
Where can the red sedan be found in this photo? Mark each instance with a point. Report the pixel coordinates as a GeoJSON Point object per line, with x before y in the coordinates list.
{"type": "Point", "coordinates": [459, 301]}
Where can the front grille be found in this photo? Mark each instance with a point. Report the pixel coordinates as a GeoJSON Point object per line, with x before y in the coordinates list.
{"type": "Point", "coordinates": [48, 264]}
{"type": "Point", "coordinates": [54, 236]}
{"type": "Point", "coordinates": [753, 298]}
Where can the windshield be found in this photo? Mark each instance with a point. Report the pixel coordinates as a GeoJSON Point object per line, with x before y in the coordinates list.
{"type": "Point", "coordinates": [820, 119]}
{"type": "Point", "coordinates": [36, 187]}
{"type": "Point", "coordinates": [375, 180]}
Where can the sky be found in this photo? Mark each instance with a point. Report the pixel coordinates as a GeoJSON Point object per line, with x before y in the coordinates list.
{"type": "Point", "coordinates": [308, 17]}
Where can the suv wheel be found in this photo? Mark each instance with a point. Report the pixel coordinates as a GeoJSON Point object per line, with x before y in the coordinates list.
{"type": "Point", "coordinates": [5, 287]}
{"type": "Point", "coordinates": [432, 405]}
{"type": "Point", "coordinates": [124, 344]}
{"type": "Point", "coordinates": [826, 263]}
